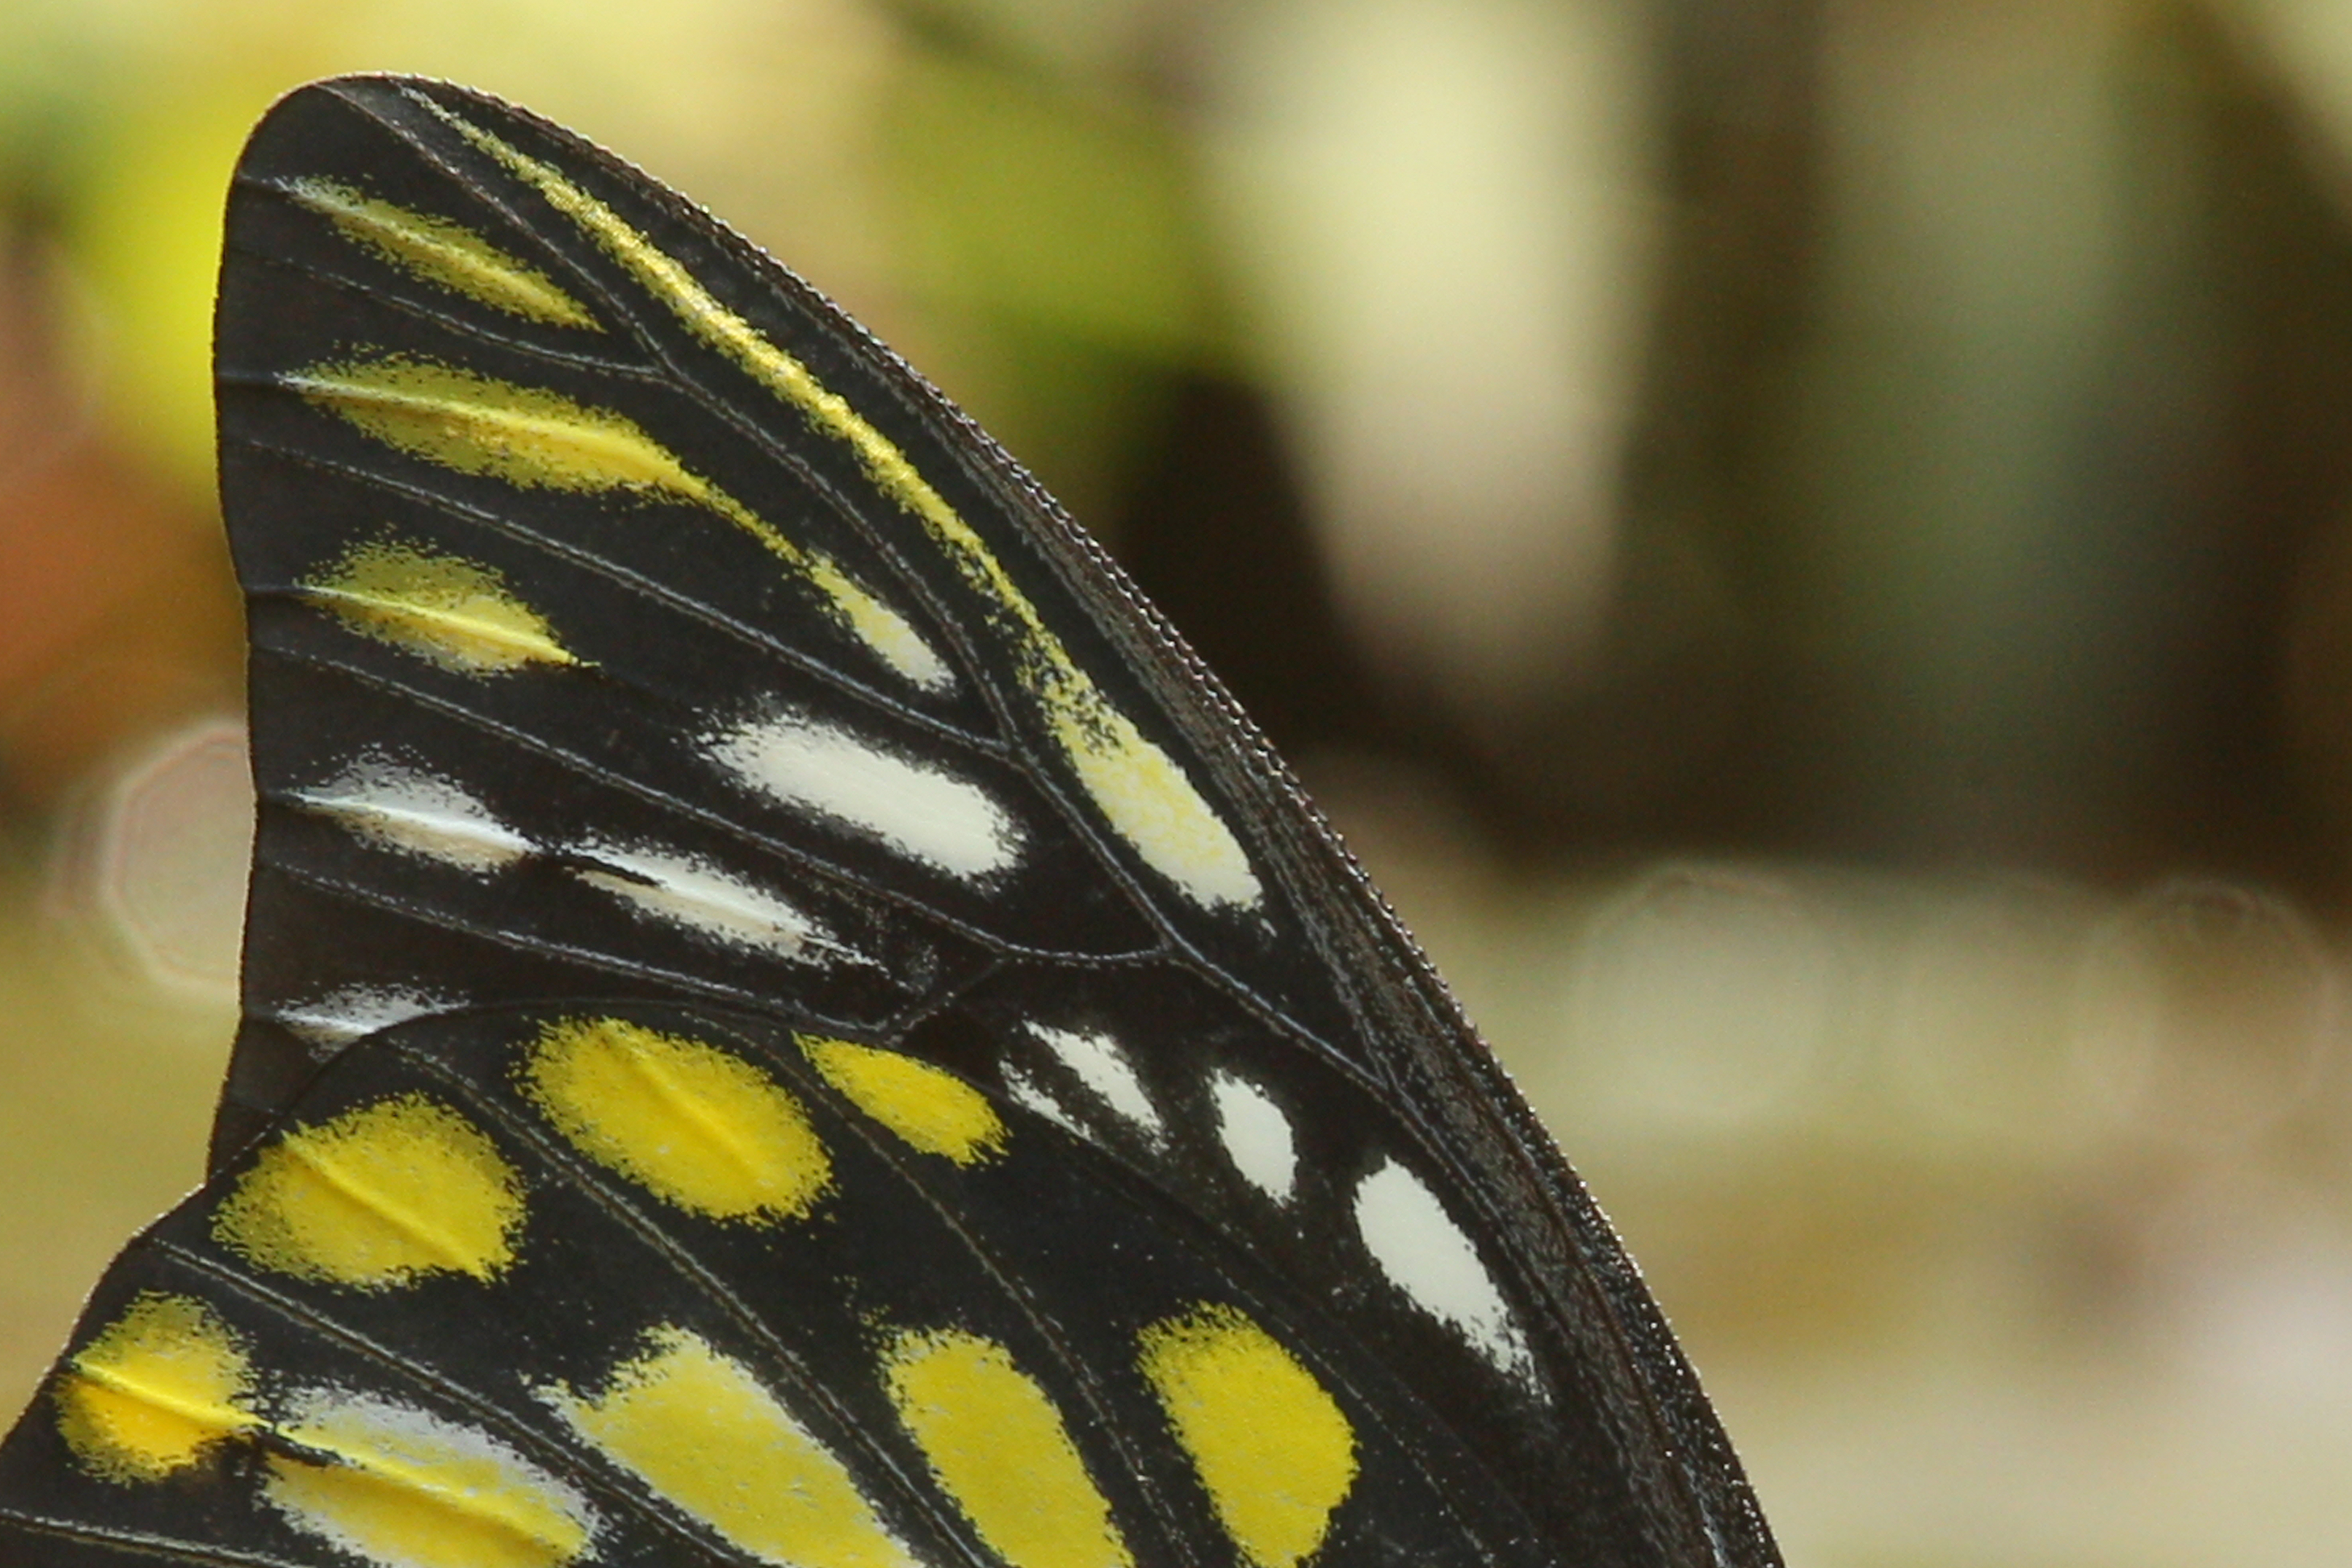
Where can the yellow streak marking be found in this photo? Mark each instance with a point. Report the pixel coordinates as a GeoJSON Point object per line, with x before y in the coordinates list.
{"type": "Point", "coordinates": [441, 252]}
{"type": "Point", "coordinates": [1272, 1448]}
{"type": "Point", "coordinates": [998, 1446]}
{"type": "Point", "coordinates": [156, 1391]}
{"type": "Point", "coordinates": [698, 1127]}
{"type": "Point", "coordinates": [453, 611]}
{"type": "Point", "coordinates": [928, 1107]}
{"type": "Point", "coordinates": [407, 1492]}
{"type": "Point", "coordinates": [1144, 794]}
{"type": "Point", "coordinates": [527, 436]}
{"type": "Point", "coordinates": [538, 439]}
{"type": "Point", "coordinates": [702, 1432]}
{"type": "Point", "coordinates": [377, 1197]}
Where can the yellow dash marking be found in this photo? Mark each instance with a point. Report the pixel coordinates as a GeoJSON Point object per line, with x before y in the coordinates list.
{"type": "Point", "coordinates": [443, 608]}
{"type": "Point", "coordinates": [998, 1446]}
{"type": "Point", "coordinates": [407, 1490]}
{"type": "Point", "coordinates": [928, 1107]}
{"type": "Point", "coordinates": [379, 1197]}
{"type": "Point", "coordinates": [538, 439]}
{"type": "Point", "coordinates": [527, 436]}
{"type": "Point", "coordinates": [1143, 792]}
{"type": "Point", "coordinates": [156, 1391]}
{"type": "Point", "coordinates": [1272, 1447]}
{"type": "Point", "coordinates": [698, 1127]}
{"type": "Point", "coordinates": [441, 252]}
{"type": "Point", "coordinates": [699, 1429]}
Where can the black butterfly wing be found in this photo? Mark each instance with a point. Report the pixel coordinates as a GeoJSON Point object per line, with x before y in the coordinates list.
{"type": "Point", "coordinates": [629, 628]}
{"type": "Point", "coordinates": [627, 1341]}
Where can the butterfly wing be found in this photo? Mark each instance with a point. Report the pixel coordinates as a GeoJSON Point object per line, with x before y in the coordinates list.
{"type": "Point", "coordinates": [634, 637]}
{"type": "Point", "coordinates": [629, 1339]}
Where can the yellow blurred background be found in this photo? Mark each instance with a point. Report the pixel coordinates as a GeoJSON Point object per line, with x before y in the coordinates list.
{"type": "Point", "coordinates": [1808, 542]}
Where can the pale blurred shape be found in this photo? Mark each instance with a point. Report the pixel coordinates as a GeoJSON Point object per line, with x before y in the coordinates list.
{"type": "Point", "coordinates": [762, 108]}
{"type": "Point", "coordinates": [2310, 44]}
{"type": "Point", "coordinates": [1976, 1038]}
{"type": "Point", "coordinates": [1706, 995]}
{"type": "Point", "coordinates": [2205, 1012]}
{"type": "Point", "coordinates": [2255, 1276]}
{"type": "Point", "coordinates": [1081, 37]}
{"type": "Point", "coordinates": [168, 865]}
{"type": "Point", "coordinates": [1441, 212]}
{"type": "Point", "coordinates": [1973, 272]}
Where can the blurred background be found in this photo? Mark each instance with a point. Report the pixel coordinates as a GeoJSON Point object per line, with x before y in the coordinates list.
{"type": "Point", "coordinates": [1809, 543]}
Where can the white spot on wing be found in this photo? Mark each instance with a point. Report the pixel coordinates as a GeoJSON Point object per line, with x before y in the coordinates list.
{"type": "Point", "coordinates": [1426, 1254]}
{"type": "Point", "coordinates": [341, 1016]}
{"type": "Point", "coordinates": [1104, 1068]}
{"type": "Point", "coordinates": [707, 901]}
{"type": "Point", "coordinates": [417, 813]}
{"type": "Point", "coordinates": [924, 813]}
{"type": "Point", "coordinates": [1256, 1135]}
{"type": "Point", "coordinates": [1027, 1091]}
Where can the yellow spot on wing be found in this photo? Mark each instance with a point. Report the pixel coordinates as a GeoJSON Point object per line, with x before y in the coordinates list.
{"type": "Point", "coordinates": [526, 436]}
{"type": "Point", "coordinates": [458, 615]}
{"type": "Point", "coordinates": [931, 1109]}
{"type": "Point", "coordinates": [880, 628]}
{"type": "Point", "coordinates": [378, 1196]}
{"type": "Point", "coordinates": [157, 1390]}
{"type": "Point", "coordinates": [999, 1450]}
{"type": "Point", "coordinates": [1272, 1448]}
{"type": "Point", "coordinates": [538, 439]}
{"type": "Point", "coordinates": [698, 1428]}
{"type": "Point", "coordinates": [698, 1127]}
{"type": "Point", "coordinates": [1141, 790]}
{"type": "Point", "coordinates": [406, 1490]}
{"type": "Point", "coordinates": [441, 252]}
{"type": "Point", "coordinates": [1144, 794]}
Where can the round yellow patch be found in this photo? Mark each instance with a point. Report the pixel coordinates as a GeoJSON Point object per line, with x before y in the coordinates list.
{"type": "Point", "coordinates": [379, 1197]}
{"type": "Point", "coordinates": [156, 1391]}
{"type": "Point", "coordinates": [694, 1125]}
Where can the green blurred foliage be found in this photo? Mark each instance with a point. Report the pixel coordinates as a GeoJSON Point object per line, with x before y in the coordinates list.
{"type": "Point", "coordinates": [1053, 237]}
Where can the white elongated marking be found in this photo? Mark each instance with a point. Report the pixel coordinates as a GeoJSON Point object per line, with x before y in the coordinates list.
{"type": "Point", "coordinates": [707, 901]}
{"type": "Point", "coordinates": [1256, 1135]}
{"type": "Point", "coordinates": [417, 813]}
{"type": "Point", "coordinates": [407, 1488]}
{"type": "Point", "coordinates": [922, 811]}
{"type": "Point", "coordinates": [1027, 1091]}
{"type": "Point", "coordinates": [1102, 1065]}
{"type": "Point", "coordinates": [1426, 1254]}
{"type": "Point", "coordinates": [341, 1016]}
